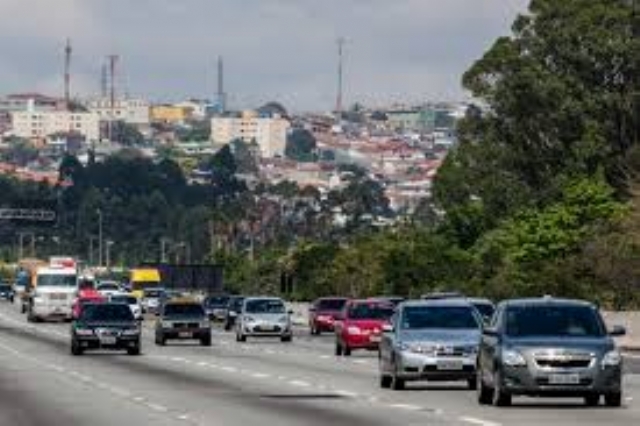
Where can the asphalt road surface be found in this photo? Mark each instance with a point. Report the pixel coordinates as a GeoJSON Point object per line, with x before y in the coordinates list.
{"type": "Point", "coordinates": [261, 382]}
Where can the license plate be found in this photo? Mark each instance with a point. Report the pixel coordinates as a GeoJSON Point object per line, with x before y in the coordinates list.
{"type": "Point", "coordinates": [108, 340]}
{"type": "Point", "coordinates": [449, 365]}
{"type": "Point", "coordinates": [564, 379]}
{"type": "Point", "coordinates": [185, 334]}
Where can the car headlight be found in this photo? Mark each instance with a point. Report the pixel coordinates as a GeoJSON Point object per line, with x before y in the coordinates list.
{"type": "Point", "coordinates": [513, 358]}
{"type": "Point", "coordinates": [354, 330]}
{"type": "Point", "coordinates": [418, 348]}
{"type": "Point", "coordinates": [612, 359]}
{"type": "Point", "coordinates": [84, 332]}
{"type": "Point", "coordinates": [131, 332]}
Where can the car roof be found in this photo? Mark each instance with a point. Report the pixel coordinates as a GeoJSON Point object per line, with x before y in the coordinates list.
{"type": "Point", "coordinates": [457, 302]}
{"type": "Point", "coordinates": [331, 298]}
{"type": "Point", "coordinates": [542, 301]}
{"type": "Point", "coordinates": [375, 301]}
{"type": "Point", "coordinates": [182, 301]}
{"type": "Point", "coordinates": [474, 300]}
{"type": "Point", "coordinates": [250, 299]}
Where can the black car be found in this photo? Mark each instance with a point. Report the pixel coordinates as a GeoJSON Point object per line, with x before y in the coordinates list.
{"type": "Point", "coordinates": [6, 292]}
{"type": "Point", "coordinates": [109, 326]}
{"type": "Point", "coordinates": [549, 347]}
{"type": "Point", "coordinates": [233, 309]}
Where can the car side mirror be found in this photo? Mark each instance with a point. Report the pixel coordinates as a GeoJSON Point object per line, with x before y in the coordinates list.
{"type": "Point", "coordinates": [617, 330]}
{"type": "Point", "coordinates": [387, 328]}
{"type": "Point", "coordinates": [490, 331]}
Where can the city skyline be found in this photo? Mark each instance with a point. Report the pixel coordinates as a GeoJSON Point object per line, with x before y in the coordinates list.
{"type": "Point", "coordinates": [278, 50]}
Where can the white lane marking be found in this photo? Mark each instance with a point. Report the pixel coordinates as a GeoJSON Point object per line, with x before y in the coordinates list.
{"type": "Point", "coordinates": [325, 356]}
{"type": "Point", "coordinates": [299, 383]}
{"type": "Point", "coordinates": [157, 407]}
{"type": "Point", "coordinates": [480, 422]}
{"type": "Point", "coordinates": [360, 361]}
{"type": "Point", "coordinates": [347, 393]}
{"type": "Point", "coordinates": [409, 407]}
{"type": "Point", "coordinates": [139, 399]}
{"type": "Point", "coordinates": [229, 369]}
{"type": "Point", "coordinates": [260, 375]}
{"type": "Point", "coordinates": [203, 364]}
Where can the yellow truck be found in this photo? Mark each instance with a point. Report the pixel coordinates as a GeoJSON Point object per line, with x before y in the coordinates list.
{"type": "Point", "coordinates": [144, 278]}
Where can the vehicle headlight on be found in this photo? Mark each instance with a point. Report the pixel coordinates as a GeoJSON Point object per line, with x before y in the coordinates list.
{"type": "Point", "coordinates": [131, 332]}
{"type": "Point", "coordinates": [513, 358]}
{"type": "Point", "coordinates": [612, 359]}
{"type": "Point", "coordinates": [354, 330]}
{"type": "Point", "coordinates": [84, 332]}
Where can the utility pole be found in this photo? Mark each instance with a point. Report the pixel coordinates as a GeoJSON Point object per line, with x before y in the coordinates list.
{"type": "Point", "coordinates": [341, 42]}
{"type": "Point", "coordinates": [67, 75]}
{"type": "Point", "coordinates": [113, 60]}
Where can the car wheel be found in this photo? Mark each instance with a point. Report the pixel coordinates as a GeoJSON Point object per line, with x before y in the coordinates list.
{"type": "Point", "coordinates": [397, 384]}
{"type": "Point", "coordinates": [500, 397]}
{"type": "Point", "coordinates": [592, 400]}
{"type": "Point", "coordinates": [472, 384]}
{"type": "Point", "coordinates": [613, 399]}
{"type": "Point", "coordinates": [385, 381]}
{"type": "Point", "coordinates": [286, 339]}
{"type": "Point", "coordinates": [485, 393]}
{"type": "Point", "coordinates": [75, 349]}
{"type": "Point", "coordinates": [205, 341]}
{"type": "Point", "coordinates": [134, 351]}
{"type": "Point", "coordinates": [160, 340]}
{"type": "Point", "coordinates": [338, 349]}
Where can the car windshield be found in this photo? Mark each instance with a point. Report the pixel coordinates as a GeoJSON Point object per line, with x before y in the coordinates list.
{"type": "Point", "coordinates": [5, 287]}
{"type": "Point", "coordinates": [183, 310]}
{"type": "Point", "coordinates": [442, 317]}
{"type": "Point", "coordinates": [265, 306]}
{"type": "Point", "coordinates": [129, 300]}
{"type": "Point", "coordinates": [373, 311]}
{"type": "Point", "coordinates": [553, 321]}
{"type": "Point", "coordinates": [236, 304]}
{"type": "Point", "coordinates": [485, 309]}
{"type": "Point", "coordinates": [153, 293]}
{"type": "Point", "coordinates": [217, 301]}
{"type": "Point", "coordinates": [331, 304]}
{"type": "Point", "coordinates": [106, 313]}
{"type": "Point", "coordinates": [57, 280]}
{"type": "Point", "coordinates": [109, 286]}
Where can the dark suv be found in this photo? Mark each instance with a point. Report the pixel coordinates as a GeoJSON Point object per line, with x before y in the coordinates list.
{"type": "Point", "coordinates": [549, 347]}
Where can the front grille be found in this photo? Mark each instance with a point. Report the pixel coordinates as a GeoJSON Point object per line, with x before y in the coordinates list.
{"type": "Point", "coordinates": [563, 363]}
{"type": "Point", "coordinates": [263, 329]}
{"type": "Point", "coordinates": [452, 351]}
{"type": "Point", "coordinates": [186, 325]}
{"type": "Point", "coordinates": [465, 369]}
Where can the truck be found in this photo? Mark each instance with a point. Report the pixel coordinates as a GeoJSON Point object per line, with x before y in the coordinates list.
{"type": "Point", "coordinates": [144, 278]}
{"type": "Point", "coordinates": [52, 290]}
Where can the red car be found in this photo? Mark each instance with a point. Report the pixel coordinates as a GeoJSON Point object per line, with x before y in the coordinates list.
{"type": "Point", "coordinates": [361, 326]}
{"type": "Point", "coordinates": [85, 296]}
{"type": "Point", "coordinates": [324, 312]}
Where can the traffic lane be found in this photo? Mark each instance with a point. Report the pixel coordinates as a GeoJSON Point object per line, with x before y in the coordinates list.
{"type": "Point", "coordinates": [236, 398]}
{"type": "Point", "coordinates": [446, 397]}
{"type": "Point", "coordinates": [33, 395]}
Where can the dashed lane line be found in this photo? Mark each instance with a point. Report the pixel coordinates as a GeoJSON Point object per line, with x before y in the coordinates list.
{"type": "Point", "coordinates": [479, 422]}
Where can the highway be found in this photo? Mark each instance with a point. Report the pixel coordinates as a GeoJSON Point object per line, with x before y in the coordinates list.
{"type": "Point", "coordinates": [261, 382]}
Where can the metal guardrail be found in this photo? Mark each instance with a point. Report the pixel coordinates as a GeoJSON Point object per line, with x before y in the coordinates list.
{"type": "Point", "coordinates": [34, 215]}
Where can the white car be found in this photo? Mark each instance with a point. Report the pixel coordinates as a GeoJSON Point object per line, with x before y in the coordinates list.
{"type": "Point", "coordinates": [108, 288]}
{"type": "Point", "coordinates": [132, 301]}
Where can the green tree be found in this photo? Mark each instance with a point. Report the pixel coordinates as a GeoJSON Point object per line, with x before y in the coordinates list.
{"type": "Point", "coordinates": [301, 146]}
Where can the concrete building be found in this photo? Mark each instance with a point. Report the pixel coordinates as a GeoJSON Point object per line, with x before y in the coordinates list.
{"type": "Point", "coordinates": [131, 111]}
{"type": "Point", "coordinates": [270, 133]}
{"type": "Point", "coordinates": [170, 114]}
{"type": "Point", "coordinates": [34, 124]}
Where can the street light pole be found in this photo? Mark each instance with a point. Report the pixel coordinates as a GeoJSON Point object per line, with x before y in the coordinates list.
{"type": "Point", "coordinates": [109, 243]}
{"type": "Point", "coordinates": [99, 237]}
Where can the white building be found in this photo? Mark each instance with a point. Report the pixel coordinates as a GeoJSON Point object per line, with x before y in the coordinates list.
{"type": "Point", "coordinates": [35, 124]}
{"type": "Point", "coordinates": [270, 133]}
{"type": "Point", "coordinates": [131, 111]}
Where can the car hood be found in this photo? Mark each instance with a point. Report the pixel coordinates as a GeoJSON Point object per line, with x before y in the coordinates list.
{"type": "Point", "coordinates": [465, 336]}
{"type": "Point", "coordinates": [366, 324]}
{"type": "Point", "coordinates": [110, 324]}
{"type": "Point", "coordinates": [591, 344]}
{"type": "Point", "coordinates": [333, 314]}
{"type": "Point", "coordinates": [55, 289]}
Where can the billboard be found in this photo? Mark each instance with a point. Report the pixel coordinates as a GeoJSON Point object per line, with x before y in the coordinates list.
{"type": "Point", "coordinates": [206, 278]}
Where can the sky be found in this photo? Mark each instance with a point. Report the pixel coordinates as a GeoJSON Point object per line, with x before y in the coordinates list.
{"type": "Point", "coordinates": [274, 50]}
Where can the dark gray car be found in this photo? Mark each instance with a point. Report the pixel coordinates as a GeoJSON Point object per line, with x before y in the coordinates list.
{"type": "Point", "coordinates": [430, 340]}
{"type": "Point", "coordinates": [549, 347]}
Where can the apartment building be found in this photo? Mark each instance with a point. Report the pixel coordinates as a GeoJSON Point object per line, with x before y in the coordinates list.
{"type": "Point", "coordinates": [37, 124]}
{"type": "Point", "coordinates": [269, 132]}
{"type": "Point", "coordinates": [131, 111]}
